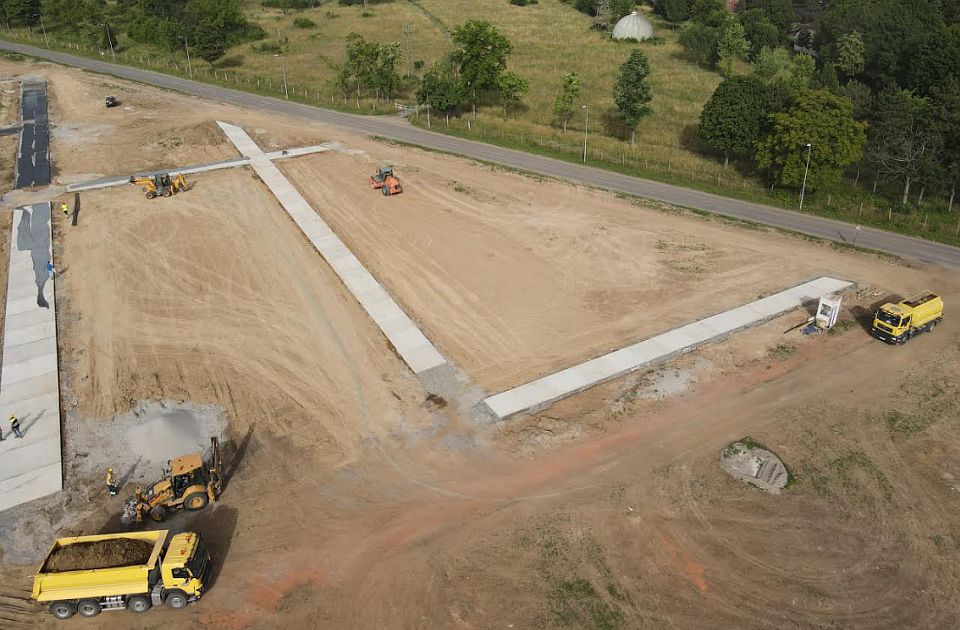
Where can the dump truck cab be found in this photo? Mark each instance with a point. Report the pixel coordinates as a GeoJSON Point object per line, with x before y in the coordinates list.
{"type": "Point", "coordinates": [896, 323]}
{"type": "Point", "coordinates": [186, 567]}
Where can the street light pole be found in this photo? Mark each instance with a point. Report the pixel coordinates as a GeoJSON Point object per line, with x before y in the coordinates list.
{"type": "Point", "coordinates": [186, 47]}
{"type": "Point", "coordinates": [283, 65]}
{"type": "Point", "coordinates": [803, 189]}
{"type": "Point", "coordinates": [113, 53]}
{"type": "Point", "coordinates": [586, 130]}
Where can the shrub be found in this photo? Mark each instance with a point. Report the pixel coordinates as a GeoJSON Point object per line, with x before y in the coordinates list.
{"type": "Point", "coordinates": [302, 22]}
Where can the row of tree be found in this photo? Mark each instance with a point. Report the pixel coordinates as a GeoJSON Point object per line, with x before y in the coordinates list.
{"type": "Point", "coordinates": [208, 27]}
{"type": "Point", "coordinates": [473, 72]}
{"type": "Point", "coordinates": [876, 97]}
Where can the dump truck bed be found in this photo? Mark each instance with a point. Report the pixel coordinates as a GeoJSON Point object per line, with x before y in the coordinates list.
{"type": "Point", "coordinates": [98, 566]}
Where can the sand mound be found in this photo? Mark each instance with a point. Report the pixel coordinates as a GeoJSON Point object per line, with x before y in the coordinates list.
{"type": "Point", "coordinates": [99, 554]}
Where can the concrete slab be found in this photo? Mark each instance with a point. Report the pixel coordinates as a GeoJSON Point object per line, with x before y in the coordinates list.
{"type": "Point", "coordinates": [410, 343]}
{"type": "Point", "coordinates": [30, 467]}
{"type": "Point", "coordinates": [543, 391]}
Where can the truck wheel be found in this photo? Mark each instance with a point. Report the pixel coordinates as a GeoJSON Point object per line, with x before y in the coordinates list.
{"type": "Point", "coordinates": [176, 599]}
{"type": "Point", "coordinates": [158, 514]}
{"type": "Point", "coordinates": [167, 192]}
{"type": "Point", "coordinates": [138, 604]}
{"type": "Point", "coordinates": [195, 501]}
{"type": "Point", "coordinates": [88, 608]}
{"type": "Point", "coordinates": [63, 610]}
{"type": "Point", "coordinates": [151, 194]}
{"type": "Point", "coordinates": [931, 326]}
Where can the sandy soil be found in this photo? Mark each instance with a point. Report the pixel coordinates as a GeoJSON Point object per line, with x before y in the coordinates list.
{"type": "Point", "coordinates": [214, 296]}
{"type": "Point", "coordinates": [515, 279]}
{"type": "Point", "coordinates": [99, 554]}
{"type": "Point", "coordinates": [353, 503]}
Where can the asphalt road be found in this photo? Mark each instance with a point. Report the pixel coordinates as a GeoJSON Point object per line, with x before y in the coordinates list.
{"type": "Point", "coordinates": [33, 158]}
{"type": "Point", "coordinates": [396, 129]}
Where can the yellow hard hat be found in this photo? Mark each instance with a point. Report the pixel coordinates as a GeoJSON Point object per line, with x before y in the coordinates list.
{"type": "Point", "coordinates": [109, 469]}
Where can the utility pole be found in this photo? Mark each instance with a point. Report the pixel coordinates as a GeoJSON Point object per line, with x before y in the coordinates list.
{"type": "Point", "coordinates": [407, 32]}
{"type": "Point", "coordinates": [186, 47]}
{"type": "Point", "coordinates": [283, 65]}
{"type": "Point", "coordinates": [586, 130]}
{"type": "Point", "coordinates": [44, 28]}
{"type": "Point", "coordinates": [110, 41]}
{"type": "Point", "coordinates": [803, 189]}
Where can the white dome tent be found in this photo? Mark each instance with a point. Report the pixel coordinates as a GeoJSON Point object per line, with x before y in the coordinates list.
{"type": "Point", "coordinates": [633, 26]}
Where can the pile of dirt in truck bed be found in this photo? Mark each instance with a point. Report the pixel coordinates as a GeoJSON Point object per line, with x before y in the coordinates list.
{"type": "Point", "coordinates": [99, 554]}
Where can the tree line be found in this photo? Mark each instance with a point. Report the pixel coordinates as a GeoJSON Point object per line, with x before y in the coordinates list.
{"type": "Point", "coordinates": [869, 85]}
{"type": "Point", "coordinates": [207, 27]}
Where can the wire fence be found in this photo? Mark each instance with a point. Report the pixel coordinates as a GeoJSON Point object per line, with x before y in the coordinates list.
{"type": "Point", "coordinates": [930, 221]}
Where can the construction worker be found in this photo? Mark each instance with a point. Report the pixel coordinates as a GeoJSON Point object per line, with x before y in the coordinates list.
{"type": "Point", "coordinates": [15, 426]}
{"type": "Point", "coordinates": [64, 209]}
{"type": "Point", "coordinates": [112, 486]}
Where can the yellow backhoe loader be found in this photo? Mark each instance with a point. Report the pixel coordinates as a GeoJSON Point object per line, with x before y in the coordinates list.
{"type": "Point", "coordinates": [159, 185]}
{"type": "Point", "coordinates": [190, 483]}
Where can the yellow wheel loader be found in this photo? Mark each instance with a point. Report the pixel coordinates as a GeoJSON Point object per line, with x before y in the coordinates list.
{"type": "Point", "coordinates": [159, 185]}
{"type": "Point", "coordinates": [190, 483]}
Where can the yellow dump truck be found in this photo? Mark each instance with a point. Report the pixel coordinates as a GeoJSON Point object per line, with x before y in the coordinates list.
{"type": "Point", "coordinates": [132, 570]}
{"type": "Point", "coordinates": [896, 323]}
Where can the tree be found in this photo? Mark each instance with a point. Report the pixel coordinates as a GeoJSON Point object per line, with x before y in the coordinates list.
{"type": "Point", "coordinates": [631, 92]}
{"type": "Point", "coordinates": [827, 79]}
{"type": "Point", "coordinates": [850, 52]}
{"type": "Point", "coordinates": [801, 71]}
{"type": "Point", "coordinates": [441, 88]}
{"type": "Point", "coordinates": [481, 56]}
{"type": "Point", "coordinates": [759, 31]}
{"type": "Point", "coordinates": [371, 66]}
{"type": "Point", "coordinates": [731, 44]}
{"type": "Point", "coordinates": [769, 63]}
{"type": "Point", "coordinates": [826, 122]}
{"type": "Point", "coordinates": [21, 12]}
{"type": "Point", "coordinates": [780, 12]}
{"type": "Point", "coordinates": [674, 11]}
{"type": "Point", "coordinates": [709, 12]}
{"type": "Point", "coordinates": [730, 120]}
{"type": "Point", "coordinates": [905, 140]}
{"type": "Point", "coordinates": [861, 96]}
{"type": "Point", "coordinates": [213, 24]}
{"type": "Point", "coordinates": [511, 87]}
{"type": "Point", "coordinates": [946, 103]}
{"type": "Point", "coordinates": [566, 100]}
{"type": "Point", "coordinates": [700, 42]}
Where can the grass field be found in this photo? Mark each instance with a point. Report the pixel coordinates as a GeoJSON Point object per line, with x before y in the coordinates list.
{"type": "Point", "coordinates": [550, 39]}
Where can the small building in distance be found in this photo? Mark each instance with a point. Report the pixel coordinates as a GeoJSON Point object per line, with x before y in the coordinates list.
{"type": "Point", "coordinates": [633, 26]}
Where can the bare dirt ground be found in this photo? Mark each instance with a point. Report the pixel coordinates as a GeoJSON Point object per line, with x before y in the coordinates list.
{"type": "Point", "coordinates": [355, 503]}
{"type": "Point", "coordinates": [516, 280]}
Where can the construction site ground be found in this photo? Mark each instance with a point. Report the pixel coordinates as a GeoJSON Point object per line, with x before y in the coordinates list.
{"type": "Point", "coordinates": [354, 500]}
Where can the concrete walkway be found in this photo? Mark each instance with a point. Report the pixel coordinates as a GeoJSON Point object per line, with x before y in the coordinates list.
{"type": "Point", "coordinates": [122, 180]}
{"type": "Point", "coordinates": [415, 349]}
{"type": "Point", "coordinates": [561, 384]}
{"type": "Point", "coordinates": [30, 467]}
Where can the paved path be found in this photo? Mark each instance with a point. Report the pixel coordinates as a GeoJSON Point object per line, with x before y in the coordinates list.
{"type": "Point", "coordinates": [29, 383]}
{"type": "Point", "coordinates": [33, 156]}
{"type": "Point", "coordinates": [109, 182]}
{"type": "Point", "coordinates": [415, 349]}
{"type": "Point", "coordinates": [391, 127]}
{"type": "Point", "coordinates": [566, 382]}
